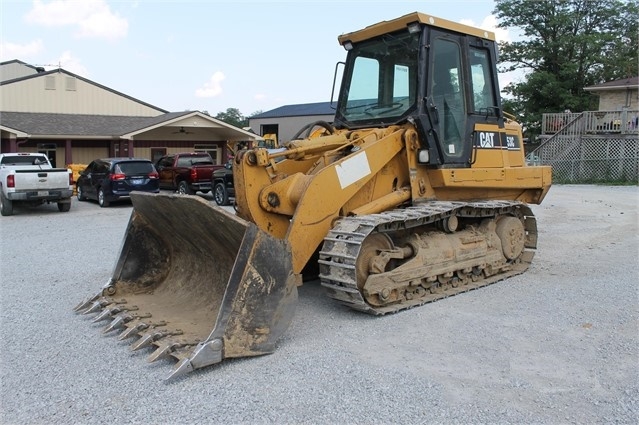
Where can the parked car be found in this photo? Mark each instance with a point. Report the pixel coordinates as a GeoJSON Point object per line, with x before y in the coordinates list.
{"type": "Point", "coordinates": [223, 188]}
{"type": "Point", "coordinates": [111, 179]}
{"type": "Point", "coordinates": [29, 179]}
{"type": "Point", "coordinates": [186, 172]}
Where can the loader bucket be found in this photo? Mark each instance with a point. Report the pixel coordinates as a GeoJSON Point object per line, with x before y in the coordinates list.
{"type": "Point", "coordinates": [196, 283]}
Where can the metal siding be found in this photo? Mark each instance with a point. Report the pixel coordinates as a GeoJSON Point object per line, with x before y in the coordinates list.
{"type": "Point", "coordinates": [59, 156]}
{"type": "Point", "coordinates": [141, 152]}
{"type": "Point", "coordinates": [14, 70]}
{"type": "Point", "coordinates": [31, 96]}
{"type": "Point", "coordinates": [85, 155]}
{"type": "Point", "coordinates": [288, 126]}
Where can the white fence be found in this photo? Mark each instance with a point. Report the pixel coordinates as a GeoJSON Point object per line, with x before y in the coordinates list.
{"type": "Point", "coordinates": [590, 147]}
{"type": "Point", "coordinates": [592, 122]}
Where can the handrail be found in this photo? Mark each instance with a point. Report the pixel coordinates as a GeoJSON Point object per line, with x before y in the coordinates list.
{"type": "Point", "coordinates": [545, 142]}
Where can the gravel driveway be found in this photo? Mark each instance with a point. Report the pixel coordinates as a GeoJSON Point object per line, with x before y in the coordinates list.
{"type": "Point", "coordinates": [558, 344]}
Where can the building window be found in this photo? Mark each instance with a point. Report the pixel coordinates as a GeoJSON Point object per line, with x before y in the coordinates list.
{"type": "Point", "coordinates": [71, 83]}
{"type": "Point", "coordinates": [49, 82]}
{"type": "Point", "coordinates": [214, 150]}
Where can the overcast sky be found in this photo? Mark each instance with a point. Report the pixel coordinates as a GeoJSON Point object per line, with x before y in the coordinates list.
{"type": "Point", "coordinates": [207, 55]}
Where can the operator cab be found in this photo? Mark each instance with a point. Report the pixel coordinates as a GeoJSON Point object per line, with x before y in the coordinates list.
{"type": "Point", "coordinates": [437, 74]}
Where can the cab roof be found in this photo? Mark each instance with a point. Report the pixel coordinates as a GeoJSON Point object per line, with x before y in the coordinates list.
{"type": "Point", "coordinates": [402, 22]}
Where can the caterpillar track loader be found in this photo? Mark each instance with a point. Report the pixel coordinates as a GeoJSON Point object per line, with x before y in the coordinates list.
{"type": "Point", "coordinates": [418, 190]}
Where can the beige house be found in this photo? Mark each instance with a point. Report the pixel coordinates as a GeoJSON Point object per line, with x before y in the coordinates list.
{"type": "Point", "coordinates": [617, 95]}
{"type": "Point", "coordinates": [594, 146]}
{"type": "Point", "coordinates": [74, 120]}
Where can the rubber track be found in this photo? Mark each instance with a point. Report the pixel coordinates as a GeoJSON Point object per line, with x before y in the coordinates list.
{"type": "Point", "coordinates": [342, 245]}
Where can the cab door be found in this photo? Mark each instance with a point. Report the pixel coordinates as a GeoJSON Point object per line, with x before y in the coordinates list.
{"type": "Point", "coordinates": [490, 140]}
{"type": "Point", "coordinates": [447, 97]}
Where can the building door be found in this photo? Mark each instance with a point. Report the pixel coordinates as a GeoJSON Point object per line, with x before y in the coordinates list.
{"type": "Point", "coordinates": [271, 129]}
{"type": "Point", "coordinates": [49, 149]}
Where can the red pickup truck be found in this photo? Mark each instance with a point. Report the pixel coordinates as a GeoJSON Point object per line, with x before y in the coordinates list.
{"type": "Point", "coordinates": [186, 172]}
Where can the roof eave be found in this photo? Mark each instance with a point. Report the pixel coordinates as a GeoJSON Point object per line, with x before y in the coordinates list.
{"type": "Point", "coordinates": [19, 134]}
{"type": "Point", "coordinates": [624, 87]}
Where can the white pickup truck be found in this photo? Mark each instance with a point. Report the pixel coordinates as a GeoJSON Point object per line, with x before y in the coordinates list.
{"type": "Point", "coordinates": [29, 178]}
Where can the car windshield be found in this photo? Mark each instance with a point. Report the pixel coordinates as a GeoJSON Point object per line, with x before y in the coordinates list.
{"type": "Point", "coordinates": [134, 167]}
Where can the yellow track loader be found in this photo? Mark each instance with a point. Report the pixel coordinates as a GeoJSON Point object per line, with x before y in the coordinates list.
{"type": "Point", "coordinates": [418, 190]}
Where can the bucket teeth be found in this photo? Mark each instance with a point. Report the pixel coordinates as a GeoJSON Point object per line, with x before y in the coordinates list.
{"type": "Point", "coordinates": [107, 313]}
{"type": "Point", "coordinates": [118, 322]}
{"type": "Point", "coordinates": [122, 319]}
{"type": "Point", "coordinates": [96, 306]}
{"type": "Point", "coordinates": [82, 305]}
{"type": "Point", "coordinates": [150, 338]}
{"type": "Point", "coordinates": [161, 352]}
{"type": "Point", "coordinates": [183, 367]}
{"type": "Point", "coordinates": [164, 351]}
{"type": "Point", "coordinates": [145, 341]}
{"type": "Point", "coordinates": [131, 331]}
{"type": "Point", "coordinates": [87, 301]}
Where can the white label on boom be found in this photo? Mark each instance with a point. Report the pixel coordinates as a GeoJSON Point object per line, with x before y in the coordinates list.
{"type": "Point", "coordinates": [353, 169]}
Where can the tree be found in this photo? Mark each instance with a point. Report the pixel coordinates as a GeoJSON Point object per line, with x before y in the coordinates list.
{"type": "Point", "coordinates": [234, 117]}
{"type": "Point", "coordinates": [567, 45]}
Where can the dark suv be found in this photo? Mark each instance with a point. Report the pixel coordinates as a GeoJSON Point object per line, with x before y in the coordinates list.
{"type": "Point", "coordinates": [110, 179]}
{"type": "Point", "coordinates": [223, 188]}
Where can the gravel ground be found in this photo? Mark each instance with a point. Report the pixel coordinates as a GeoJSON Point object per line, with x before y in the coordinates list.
{"type": "Point", "coordinates": [558, 344]}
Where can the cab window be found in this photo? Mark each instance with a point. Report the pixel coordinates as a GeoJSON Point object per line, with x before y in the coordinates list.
{"type": "Point", "coordinates": [448, 95]}
{"type": "Point", "coordinates": [482, 89]}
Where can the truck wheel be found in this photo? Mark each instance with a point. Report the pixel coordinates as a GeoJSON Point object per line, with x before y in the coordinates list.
{"type": "Point", "coordinates": [64, 206]}
{"type": "Point", "coordinates": [80, 193]}
{"type": "Point", "coordinates": [184, 189]}
{"type": "Point", "coordinates": [6, 205]}
{"type": "Point", "coordinates": [102, 200]}
{"type": "Point", "coordinates": [220, 194]}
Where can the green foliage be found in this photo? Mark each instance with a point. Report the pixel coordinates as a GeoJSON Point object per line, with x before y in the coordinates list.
{"type": "Point", "coordinates": [234, 117]}
{"type": "Point", "coordinates": [567, 45]}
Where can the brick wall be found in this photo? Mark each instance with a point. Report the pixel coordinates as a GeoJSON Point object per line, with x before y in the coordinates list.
{"type": "Point", "coordinates": [615, 100]}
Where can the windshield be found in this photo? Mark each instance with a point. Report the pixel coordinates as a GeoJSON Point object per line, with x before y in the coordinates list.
{"type": "Point", "coordinates": [134, 167]}
{"type": "Point", "coordinates": [24, 160]}
{"type": "Point", "coordinates": [381, 80]}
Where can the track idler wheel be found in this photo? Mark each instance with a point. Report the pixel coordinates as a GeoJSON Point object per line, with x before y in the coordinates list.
{"type": "Point", "coordinates": [510, 231]}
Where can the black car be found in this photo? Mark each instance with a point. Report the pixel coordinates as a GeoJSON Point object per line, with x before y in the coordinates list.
{"type": "Point", "coordinates": [223, 188]}
{"type": "Point", "coordinates": [110, 179]}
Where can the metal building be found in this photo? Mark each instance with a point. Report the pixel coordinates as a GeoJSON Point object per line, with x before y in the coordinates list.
{"type": "Point", "coordinates": [75, 120]}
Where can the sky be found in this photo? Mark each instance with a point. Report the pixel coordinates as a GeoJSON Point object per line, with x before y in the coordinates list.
{"type": "Point", "coordinates": [208, 55]}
